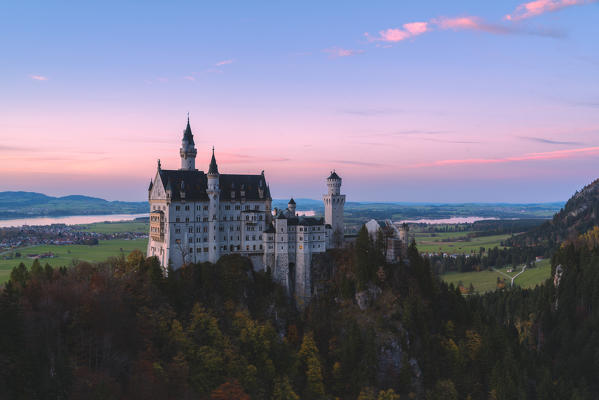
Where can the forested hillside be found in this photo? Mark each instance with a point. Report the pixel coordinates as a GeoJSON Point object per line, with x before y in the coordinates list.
{"type": "Point", "coordinates": [580, 214]}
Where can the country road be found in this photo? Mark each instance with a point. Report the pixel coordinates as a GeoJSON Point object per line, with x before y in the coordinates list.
{"type": "Point", "coordinates": [511, 277]}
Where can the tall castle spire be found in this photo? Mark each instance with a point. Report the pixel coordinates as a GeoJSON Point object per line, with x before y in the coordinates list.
{"type": "Point", "coordinates": [188, 151]}
{"type": "Point", "coordinates": [213, 169]}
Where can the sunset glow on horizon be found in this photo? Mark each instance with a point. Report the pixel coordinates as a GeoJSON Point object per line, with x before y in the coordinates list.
{"type": "Point", "coordinates": [430, 101]}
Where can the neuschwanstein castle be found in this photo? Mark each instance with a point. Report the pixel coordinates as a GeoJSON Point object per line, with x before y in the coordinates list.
{"type": "Point", "coordinates": [197, 217]}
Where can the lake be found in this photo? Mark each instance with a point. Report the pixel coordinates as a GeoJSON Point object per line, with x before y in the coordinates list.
{"type": "Point", "coordinates": [452, 220]}
{"type": "Point", "coordinates": [69, 220]}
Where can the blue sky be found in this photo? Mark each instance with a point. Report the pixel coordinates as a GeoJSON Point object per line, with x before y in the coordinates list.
{"type": "Point", "coordinates": [409, 101]}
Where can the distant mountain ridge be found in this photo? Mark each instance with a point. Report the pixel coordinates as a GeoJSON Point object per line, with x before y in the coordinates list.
{"type": "Point", "coordinates": [21, 204]}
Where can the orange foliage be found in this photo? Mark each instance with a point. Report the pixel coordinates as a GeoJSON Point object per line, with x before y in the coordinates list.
{"type": "Point", "coordinates": [229, 391]}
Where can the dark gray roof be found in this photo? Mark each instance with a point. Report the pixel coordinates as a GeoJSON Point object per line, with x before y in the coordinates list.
{"type": "Point", "coordinates": [151, 185]}
{"type": "Point", "coordinates": [187, 135]}
{"type": "Point", "coordinates": [291, 201]}
{"type": "Point", "coordinates": [196, 183]}
{"type": "Point", "coordinates": [305, 221]}
{"type": "Point", "coordinates": [334, 176]}
{"type": "Point", "coordinates": [213, 169]}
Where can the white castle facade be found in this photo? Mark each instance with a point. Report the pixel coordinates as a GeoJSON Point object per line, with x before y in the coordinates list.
{"type": "Point", "coordinates": [197, 217]}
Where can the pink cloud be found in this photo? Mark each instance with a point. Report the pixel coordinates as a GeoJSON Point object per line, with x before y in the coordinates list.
{"type": "Point", "coordinates": [398, 34]}
{"type": "Point", "coordinates": [38, 77]}
{"type": "Point", "coordinates": [339, 52]}
{"type": "Point", "coordinates": [458, 23]}
{"type": "Point", "coordinates": [224, 62]}
{"type": "Point", "coordinates": [189, 78]}
{"type": "Point", "coordinates": [538, 7]}
{"type": "Point", "coordinates": [416, 28]}
{"type": "Point", "coordinates": [549, 155]}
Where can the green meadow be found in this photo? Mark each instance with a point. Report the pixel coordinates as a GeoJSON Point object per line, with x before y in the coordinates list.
{"type": "Point", "coordinates": [116, 227]}
{"type": "Point", "coordinates": [66, 255]}
{"type": "Point", "coordinates": [456, 242]}
{"type": "Point", "coordinates": [486, 281]}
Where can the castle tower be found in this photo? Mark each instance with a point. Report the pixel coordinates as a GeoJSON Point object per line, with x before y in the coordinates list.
{"type": "Point", "coordinates": [334, 203]}
{"type": "Point", "coordinates": [291, 207]}
{"type": "Point", "coordinates": [188, 151]}
{"type": "Point", "coordinates": [213, 192]}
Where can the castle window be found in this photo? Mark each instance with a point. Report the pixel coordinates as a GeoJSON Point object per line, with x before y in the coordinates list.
{"type": "Point", "coordinates": [205, 249]}
{"type": "Point", "coordinates": [190, 229]}
{"type": "Point", "coordinates": [199, 250]}
{"type": "Point", "coordinates": [237, 207]}
{"type": "Point", "coordinates": [220, 228]}
{"type": "Point", "coordinates": [205, 229]}
{"type": "Point", "coordinates": [178, 241]}
{"type": "Point", "coordinates": [260, 218]}
{"type": "Point", "coordinates": [247, 206]}
{"type": "Point", "coordinates": [227, 207]}
{"type": "Point", "coordinates": [239, 218]}
{"type": "Point", "coordinates": [205, 239]}
{"type": "Point", "coordinates": [177, 230]}
{"type": "Point", "coordinates": [186, 208]}
{"type": "Point", "coordinates": [247, 237]}
{"type": "Point", "coordinates": [191, 249]}
{"type": "Point", "coordinates": [177, 208]}
{"type": "Point", "coordinates": [205, 219]}
{"type": "Point", "coordinates": [247, 248]}
{"type": "Point", "coordinates": [301, 238]}
{"type": "Point", "coordinates": [260, 247]}
{"type": "Point", "coordinates": [177, 219]}
{"type": "Point", "coordinates": [301, 229]}
{"type": "Point", "coordinates": [198, 218]}
{"type": "Point", "coordinates": [190, 240]}
{"type": "Point", "coordinates": [198, 239]}
{"type": "Point", "coordinates": [224, 218]}
{"type": "Point", "coordinates": [198, 208]}
{"type": "Point", "coordinates": [254, 247]}
{"type": "Point", "coordinates": [205, 208]}
{"type": "Point", "coordinates": [257, 207]}
{"type": "Point", "coordinates": [260, 237]}
{"type": "Point", "coordinates": [254, 237]}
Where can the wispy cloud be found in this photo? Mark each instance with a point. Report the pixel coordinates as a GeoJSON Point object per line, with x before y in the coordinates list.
{"type": "Point", "coordinates": [189, 78]}
{"type": "Point", "coordinates": [368, 112]}
{"type": "Point", "coordinates": [335, 52]}
{"type": "Point", "coordinates": [38, 77]}
{"type": "Point", "coordinates": [475, 23]}
{"type": "Point", "coordinates": [549, 155]}
{"type": "Point", "coordinates": [548, 141]}
{"type": "Point", "coordinates": [224, 62]}
{"type": "Point", "coordinates": [398, 34]}
{"type": "Point", "coordinates": [359, 163]}
{"type": "Point", "coordinates": [538, 7]}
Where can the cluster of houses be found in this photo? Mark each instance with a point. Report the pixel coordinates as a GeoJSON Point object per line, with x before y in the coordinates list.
{"type": "Point", "coordinates": [56, 234]}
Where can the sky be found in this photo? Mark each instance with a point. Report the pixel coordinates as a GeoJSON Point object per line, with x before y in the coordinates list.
{"type": "Point", "coordinates": [419, 101]}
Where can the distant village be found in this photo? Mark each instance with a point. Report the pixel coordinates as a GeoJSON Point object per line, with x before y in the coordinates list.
{"type": "Point", "coordinates": [17, 239]}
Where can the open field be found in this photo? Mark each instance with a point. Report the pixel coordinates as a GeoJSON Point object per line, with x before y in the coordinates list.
{"type": "Point", "coordinates": [67, 253]}
{"type": "Point", "coordinates": [116, 227]}
{"type": "Point", "coordinates": [486, 281]}
{"type": "Point", "coordinates": [455, 243]}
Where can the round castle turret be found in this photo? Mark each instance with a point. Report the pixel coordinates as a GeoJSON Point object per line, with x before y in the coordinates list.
{"type": "Point", "coordinates": [291, 207]}
{"type": "Point", "coordinates": [188, 151]}
{"type": "Point", "coordinates": [213, 192]}
{"type": "Point", "coordinates": [334, 203]}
